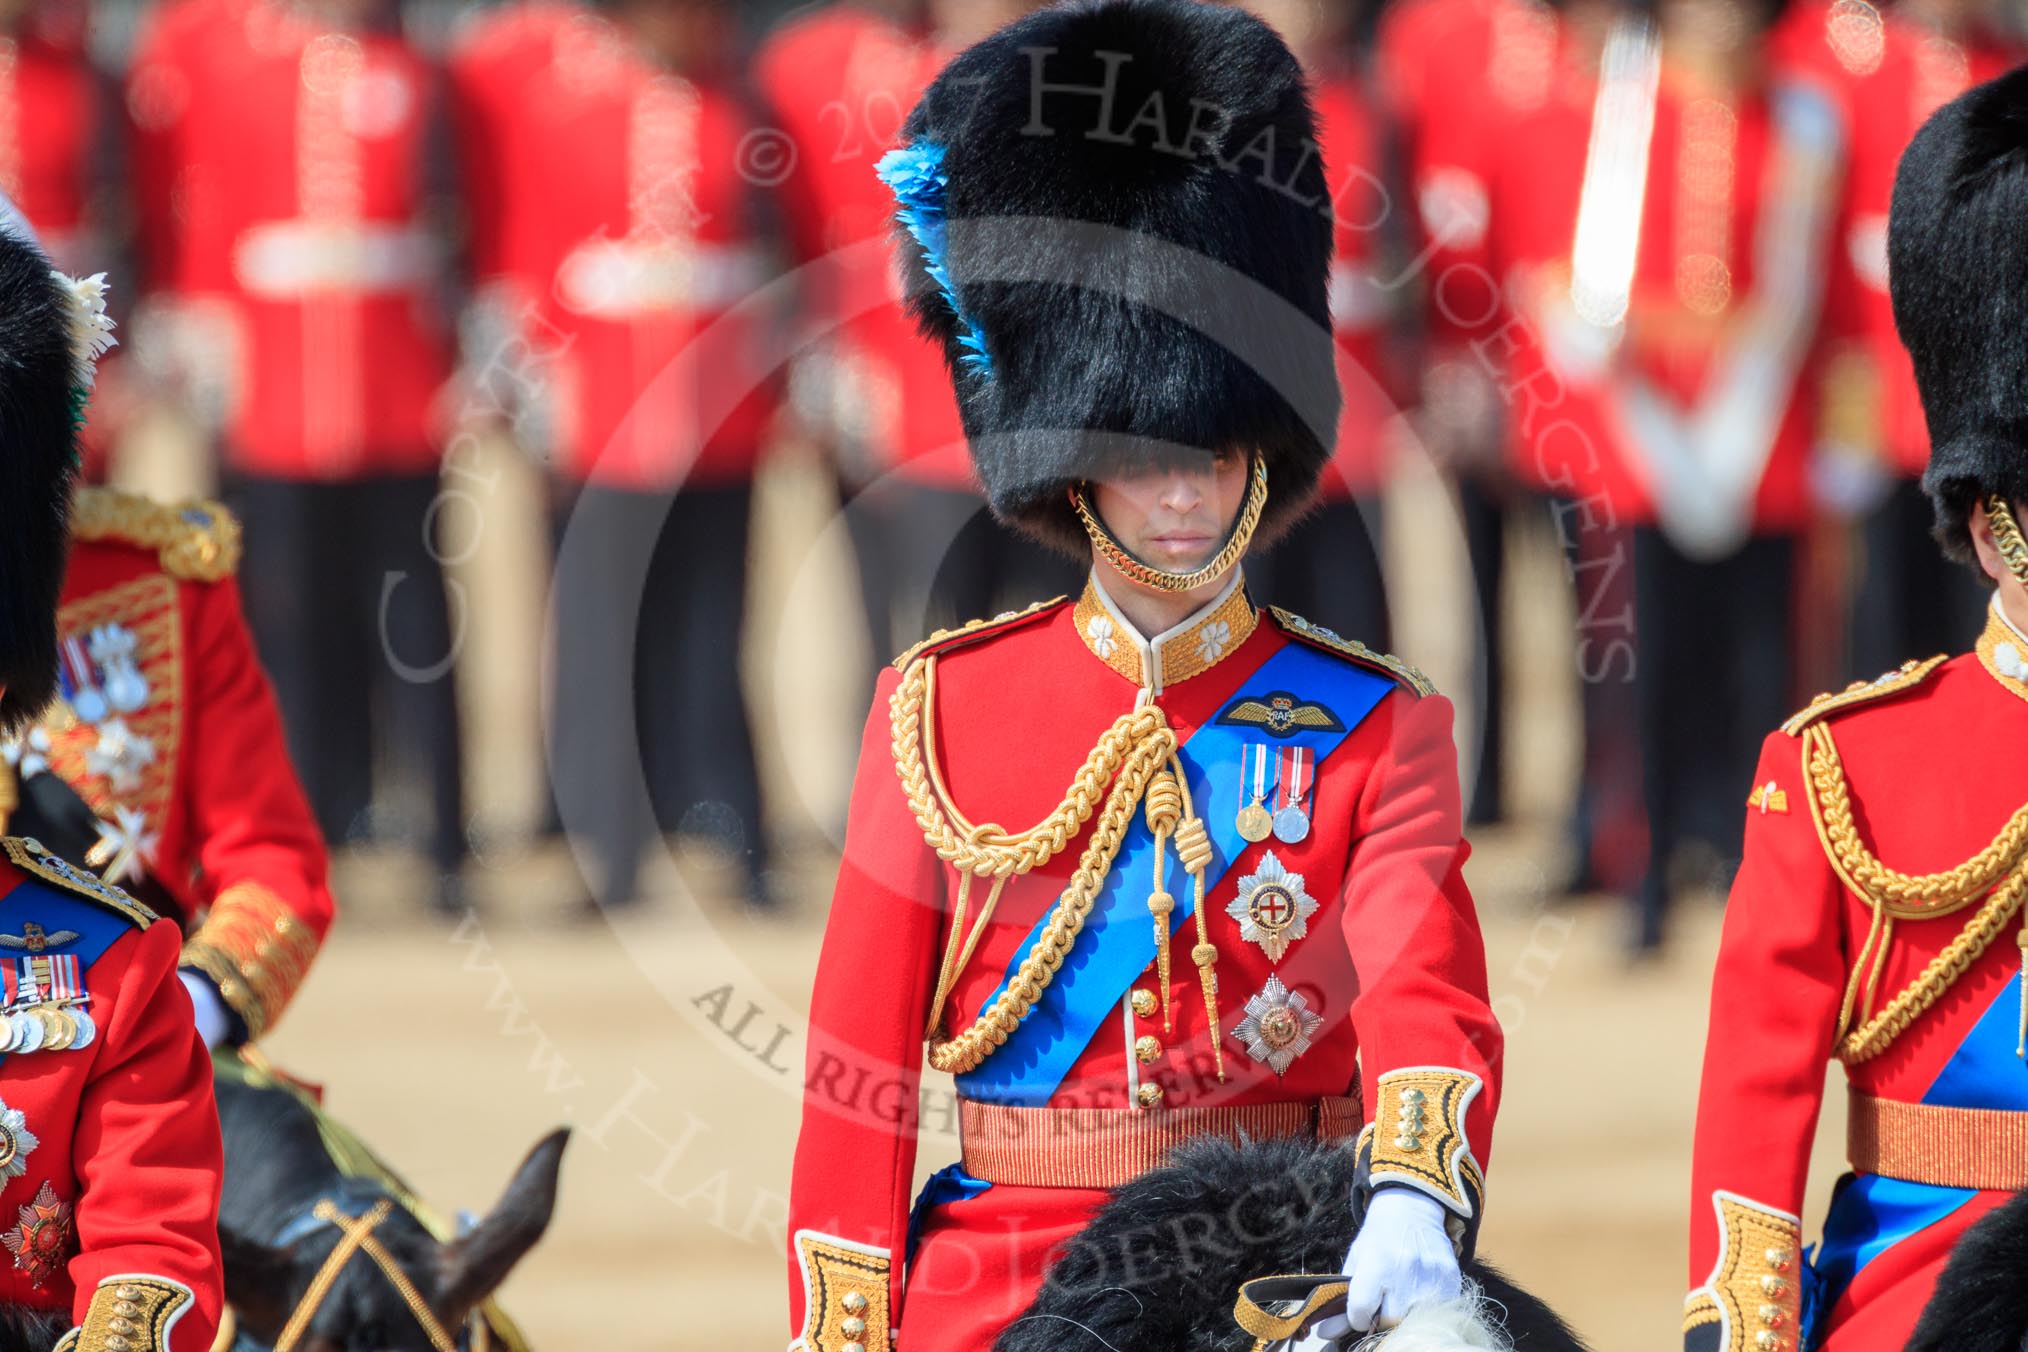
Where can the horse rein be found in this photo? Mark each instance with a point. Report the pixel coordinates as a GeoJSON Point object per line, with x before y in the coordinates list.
{"type": "Point", "coordinates": [356, 1235]}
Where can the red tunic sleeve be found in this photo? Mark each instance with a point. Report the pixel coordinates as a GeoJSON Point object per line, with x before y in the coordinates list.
{"type": "Point", "coordinates": [855, 1159]}
{"type": "Point", "coordinates": [1774, 1010]}
{"type": "Point", "coordinates": [148, 1158]}
{"type": "Point", "coordinates": [1429, 1044]}
{"type": "Point", "coordinates": [255, 842]}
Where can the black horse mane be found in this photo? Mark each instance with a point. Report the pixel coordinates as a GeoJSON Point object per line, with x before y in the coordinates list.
{"type": "Point", "coordinates": [1981, 1302]}
{"type": "Point", "coordinates": [24, 1328]}
{"type": "Point", "coordinates": [1159, 1266]}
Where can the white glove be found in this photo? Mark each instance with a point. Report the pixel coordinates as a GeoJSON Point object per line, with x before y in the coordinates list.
{"type": "Point", "coordinates": [213, 1023]}
{"type": "Point", "coordinates": [1401, 1257]}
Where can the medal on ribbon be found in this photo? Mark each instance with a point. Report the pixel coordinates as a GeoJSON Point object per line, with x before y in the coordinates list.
{"type": "Point", "coordinates": [80, 681]}
{"type": "Point", "coordinates": [1254, 822]}
{"type": "Point", "coordinates": [1272, 908]}
{"type": "Point", "coordinates": [1292, 815]}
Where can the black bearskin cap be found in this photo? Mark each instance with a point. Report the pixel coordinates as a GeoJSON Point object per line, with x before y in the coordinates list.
{"type": "Point", "coordinates": [1158, 1268]}
{"type": "Point", "coordinates": [1139, 237]}
{"type": "Point", "coordinates": [1957, 245]}
{"type": "Point", "coordinates": [38, 440]}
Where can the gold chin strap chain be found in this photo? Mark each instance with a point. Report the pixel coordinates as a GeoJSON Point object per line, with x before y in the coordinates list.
{"type": "Point", "coordinates": [355, 1235]}
{"type": "Point", "coordinates": [2007, 535]}
{"type": "Point", "coordinates": [1997, 874]}
{"type": "Point", "coordinates": [1161, 579]}
{"type": "Point", "coordinates": [1133, 761]}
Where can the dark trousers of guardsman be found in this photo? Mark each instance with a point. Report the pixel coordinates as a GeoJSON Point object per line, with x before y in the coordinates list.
{"type": "Point", "coordinates": [347, 599]}
{"type": "Point", "coordinates": [649, 732]}
{"type": "Point", "coordinates": [1870, 854]}
{"type": "Point", "coordinates": [1714, 660]}
{"type": "Point", "coordinates": [1230, 1007]}
{"type": "Point", "coordinates": [1909, 601]}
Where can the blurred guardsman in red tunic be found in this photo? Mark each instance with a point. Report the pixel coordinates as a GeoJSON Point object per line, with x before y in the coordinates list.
{"type": "Point", "coordinates": [1134, 306]}
{"type": "Point", "coordinates": [838, 81]}
{"type": "Point", "coordinates": [1873, 920]}
{"type": "Point", "coordinates": [638, 278]}
{"type": "Point", "coordinates": [1889, 72]}
{"type": "Point", "coordinates": [109, 1148]}
{"type": "Point", "coordinates": [1662, 235]}
{"type": "Point", "coordinates": [1451, 77]}
{"type": "Point", "coordinates": [166, 730]}
{"type": "Point", "coordinates": [54, 132]}
{"type": "Point", "coordinates": [298, 139]}
{"type": "Point", "coordinates": [1329, 566]}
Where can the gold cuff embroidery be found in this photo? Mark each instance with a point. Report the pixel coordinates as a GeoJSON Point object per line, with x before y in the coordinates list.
{"type": "Point", "coordinates": [1754, 1294]}
{"type": "Point", "coordinates": [255, 950]}
{"type": "Point", "coordinates": [1419, 1135]}
{"type": "Point", "coordinates": [844, 1295]}
{"type": "Point", "coordinates": [131, 1314]}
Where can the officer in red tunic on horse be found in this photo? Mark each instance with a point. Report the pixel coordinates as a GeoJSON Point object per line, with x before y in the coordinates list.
{"type": "Point", "coordinates": [1117, 233]}
{"type": "Point", "coordinates": [1873, 920]}
{"type": "Point", "coordinates": [109, 1145]}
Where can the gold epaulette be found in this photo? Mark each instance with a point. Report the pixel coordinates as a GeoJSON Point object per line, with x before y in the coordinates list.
{"type": "Point", "coordinates": [1404, 675]}
{"type": "Point", "coordinates": [1905, 677]}
{"type": "Point", "coordinates": [973, 630]}
{"type": "Point", "coordinates": [30, 857]}
{"type": "Point", "coordinates": [196, 541]}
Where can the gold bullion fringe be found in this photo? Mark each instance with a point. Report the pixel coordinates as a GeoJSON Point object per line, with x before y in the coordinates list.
{"type": "Point", "coordinates": [1998, 874]}
{"type": "Point", "coordinates": [1133, 761]}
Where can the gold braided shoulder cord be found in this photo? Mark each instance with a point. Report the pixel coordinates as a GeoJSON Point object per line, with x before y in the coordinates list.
{"type": "Point", "coordinates": [1998, 873]}
{"type": "Point", "coordinates": [1138, 751]}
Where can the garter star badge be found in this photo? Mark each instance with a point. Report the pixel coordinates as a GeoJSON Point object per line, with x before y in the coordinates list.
{"type": "Point", "coordinates": [1277, 1026]}
{"type": "Point", "coordinates": [17, 1142]}
{"type": "Point", "coordinates": [1272, 908]}
{"type": "Point", "coordinates": [39, 1242]}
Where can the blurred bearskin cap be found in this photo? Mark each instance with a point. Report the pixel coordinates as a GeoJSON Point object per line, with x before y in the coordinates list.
{"type": "Point", "coordinates": [1118, 229]}
{"type": "Point", "coordinates": [51, 330]}
{"type": "Point", "coordinates": [1957, 244]}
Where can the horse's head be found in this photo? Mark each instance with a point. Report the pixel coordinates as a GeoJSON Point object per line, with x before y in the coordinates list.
{"type": "Point", "coordinates": [358, 1273]}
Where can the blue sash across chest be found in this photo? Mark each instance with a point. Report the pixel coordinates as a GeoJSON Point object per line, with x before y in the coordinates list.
{"type": "Point", "coordinates": [1118, 941]}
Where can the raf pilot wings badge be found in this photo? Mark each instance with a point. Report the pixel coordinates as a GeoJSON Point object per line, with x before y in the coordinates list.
{"type": "Point", "coordinates": [1280, 714]}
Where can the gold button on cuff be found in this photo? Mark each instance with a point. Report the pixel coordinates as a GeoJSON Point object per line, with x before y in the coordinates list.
{"type": "Point", "coordinates": [1408, 1143]}
{"type": "Point", "coordinates": [1148, 1095]}
{"type": "Point", "coordinates": [854, 1327]}
{"type": "Point", "coordinates": [1145, 1004]}
{"type": "Point", "coordinates": [1767, 1342]}
{"type": "Point", "coordinates": [854, 1303]}
{"type": "Point", "coordinates": [1146, 1049]}
{"type": "Point", "coordinates": [853, 1347]}
{"type": "Point", "coordinates": [1779, 1259]}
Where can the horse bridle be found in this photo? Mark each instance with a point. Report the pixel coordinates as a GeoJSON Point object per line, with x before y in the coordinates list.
{"type": "Point", "coordinates": [355, 1234]}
